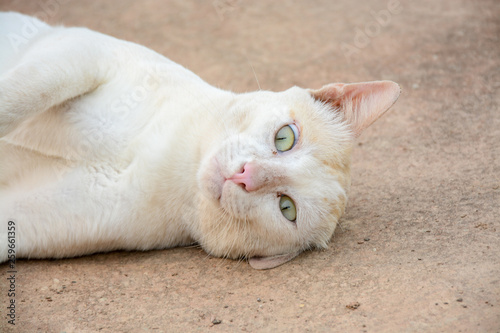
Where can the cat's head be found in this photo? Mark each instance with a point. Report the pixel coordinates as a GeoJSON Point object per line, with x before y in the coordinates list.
{"type": "Point", "coordinates": [277, 182]}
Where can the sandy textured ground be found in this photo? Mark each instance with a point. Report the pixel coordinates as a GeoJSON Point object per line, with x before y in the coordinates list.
{"type": "Point", "coordinates": [419, 248]}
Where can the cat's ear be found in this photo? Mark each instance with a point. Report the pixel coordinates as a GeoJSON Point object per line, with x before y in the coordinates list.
{"type": "Point", "coordinates": [273, 261]}
{"type": "Point", "coordinates": [361, 103]}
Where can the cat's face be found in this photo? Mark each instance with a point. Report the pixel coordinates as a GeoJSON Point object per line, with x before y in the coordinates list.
{"type": "Point", "coordinates": [277, 182]}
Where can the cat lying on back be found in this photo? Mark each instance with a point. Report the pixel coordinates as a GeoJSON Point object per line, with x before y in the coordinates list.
{"type": "Point", "coordinates": [106, 145]}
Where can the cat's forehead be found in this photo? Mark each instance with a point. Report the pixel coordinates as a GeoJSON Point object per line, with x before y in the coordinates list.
{"type": "Point", "coordinates": [323, 135]}
{"type": "Point", "coordinates": [292, 104]}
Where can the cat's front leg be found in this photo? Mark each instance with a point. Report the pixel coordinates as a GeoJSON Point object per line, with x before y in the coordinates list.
{"type": "Point", "coordinates": [64, 64]}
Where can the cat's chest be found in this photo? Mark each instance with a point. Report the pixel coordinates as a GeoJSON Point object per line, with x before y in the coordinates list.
{"type": "Point", "coordinates": [112, 150]}
{"type": "Point", "coordinates": [79, 149]}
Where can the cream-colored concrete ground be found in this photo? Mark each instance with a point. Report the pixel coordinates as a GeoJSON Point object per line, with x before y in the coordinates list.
{"type": "Point", "coordinates": [426, 177]}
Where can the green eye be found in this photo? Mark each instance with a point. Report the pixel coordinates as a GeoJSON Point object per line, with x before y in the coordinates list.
{"type": "Point", "coordinates": [286, 137]}
{"type": "Point", "coordinates": [288, 208]}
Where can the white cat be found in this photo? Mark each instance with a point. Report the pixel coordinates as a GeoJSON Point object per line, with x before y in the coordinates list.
{"type": "Point", "coordinates": [106, 145]}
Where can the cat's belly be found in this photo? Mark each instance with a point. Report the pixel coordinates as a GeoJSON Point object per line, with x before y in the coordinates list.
{"type": "Point", "coordinates": [58, 207]}
{"type": "Point", "coordinates": [62, 209]}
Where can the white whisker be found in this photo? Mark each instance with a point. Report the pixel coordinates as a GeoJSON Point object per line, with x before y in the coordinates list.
{"type": "Point", "coordinates": [255, 74]}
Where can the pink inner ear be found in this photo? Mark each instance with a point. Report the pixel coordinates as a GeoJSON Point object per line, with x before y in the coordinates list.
{"type": "Point", "coordinates": [361, 103]}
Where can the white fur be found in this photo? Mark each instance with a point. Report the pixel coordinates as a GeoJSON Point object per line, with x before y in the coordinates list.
{"type": "Point", "coordinates": [108, 145]}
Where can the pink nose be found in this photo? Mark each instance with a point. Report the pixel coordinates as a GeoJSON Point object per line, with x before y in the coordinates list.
{"type": "Point", "coordinates": [247, 177]}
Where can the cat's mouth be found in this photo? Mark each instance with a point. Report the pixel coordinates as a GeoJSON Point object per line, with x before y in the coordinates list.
{"type": "Point", "coordinates": [218, 180]}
